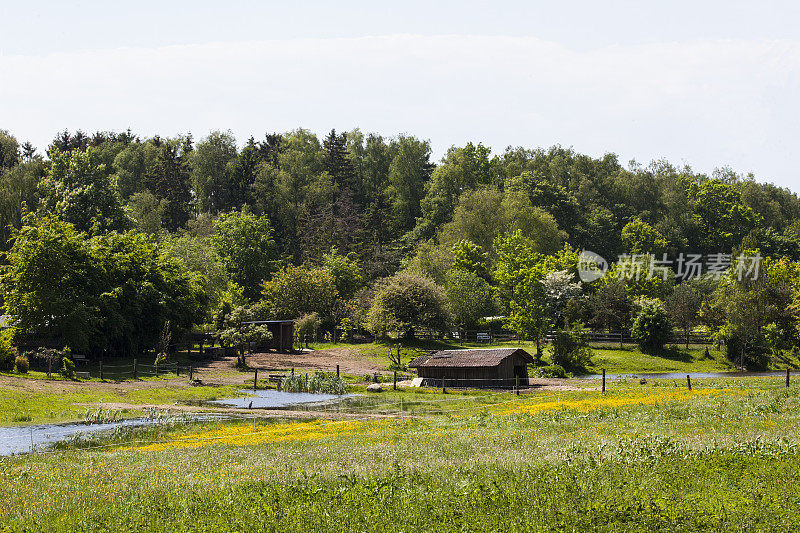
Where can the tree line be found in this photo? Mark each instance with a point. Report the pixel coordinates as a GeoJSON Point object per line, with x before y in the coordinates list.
{"type": "Point", "coordinates": [108, 236]}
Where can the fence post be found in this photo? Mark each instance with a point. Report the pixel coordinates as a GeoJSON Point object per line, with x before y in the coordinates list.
{"type": "Point", "coordinates": [101, 370]}
{"type": "Point", "coordinates": [604, 380]}
{"type": "Point", "coordinates": [401, 407]}
{"type": "Point", "coordinates": [255, 379]}
{"type": "Point", "coordinates": [689, 381]}
{"type": "Point", "coordinates": [190, 372]}
{"type": "Point", "coordinates": [394, 383]}
{"type": "Point", "coordinates": [135, 374]}
{"type": "Point", "coordinates": [787, 377]}
{"type": "Point", "coordinates": [516, 385]}
{"type": "Point", "coordinates": [337, 370]}
{"type": "Point", "coordinates": [444, 391]}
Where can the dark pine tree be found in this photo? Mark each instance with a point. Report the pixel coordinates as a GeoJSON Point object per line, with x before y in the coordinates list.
{"type": "Point", "coordinates": [338, 165]}
{"type": "Point", "coordinates": [270, 148]}
{"type": "Point", "coordinates": [169, 179]}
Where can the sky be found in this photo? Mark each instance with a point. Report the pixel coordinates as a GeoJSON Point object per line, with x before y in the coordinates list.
{"type": "Point", "coordinates": [704, 83]}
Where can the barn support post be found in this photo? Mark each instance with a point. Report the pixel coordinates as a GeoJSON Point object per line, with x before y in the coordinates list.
{"type": "Point", "coordinates": [444, 391]}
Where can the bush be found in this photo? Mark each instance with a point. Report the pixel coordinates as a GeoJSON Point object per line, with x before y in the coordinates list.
{"type": "Point", "coordinates": [552, 371]}
{"type": "Point", "coordinates": [570, 348]}
{"type": "Point", "coordinates": [307, 326]}
{"type": "Point", "coordinates": [651, 327]}
{"type": "Point", "coordinates": [21, 364]}
{"type": "Point", "coordinates": [67, 368]}
{"type": "Point", "coordinates": [7, 352]}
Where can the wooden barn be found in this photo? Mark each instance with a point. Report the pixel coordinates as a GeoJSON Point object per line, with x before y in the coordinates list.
{"type": "Point", "coordinates": [485, 368]}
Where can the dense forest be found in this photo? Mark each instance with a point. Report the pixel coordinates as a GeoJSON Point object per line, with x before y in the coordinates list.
{"type": "Point", "coordinates": [107, 238]}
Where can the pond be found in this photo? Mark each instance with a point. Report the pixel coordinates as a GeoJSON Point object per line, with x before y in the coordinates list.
{"type": "Point", "coordinates": [682, 375]}
{"type": "Point", "coordinates": [23, 439]}
{"type": "Point", "coordinates": [272, 399]}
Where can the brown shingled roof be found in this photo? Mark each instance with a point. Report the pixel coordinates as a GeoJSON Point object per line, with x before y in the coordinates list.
{"type": "Point", "coordinates": [474, 358]}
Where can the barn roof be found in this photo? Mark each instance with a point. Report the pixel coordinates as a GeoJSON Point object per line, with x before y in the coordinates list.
{"type": "Point", "coordinates": [468, 358]}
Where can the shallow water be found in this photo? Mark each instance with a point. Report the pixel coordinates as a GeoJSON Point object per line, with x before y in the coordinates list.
{"type": "Point", "coordinates": [272, 399]}
{"type": "Point", "coordinates": [23, 439]}
{"type": "Point", "coordinates": [682, 375]}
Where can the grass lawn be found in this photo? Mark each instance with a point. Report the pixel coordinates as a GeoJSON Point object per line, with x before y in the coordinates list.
{"type": "Point", "coordinates": [614, 359]}
{"type": "Point", "coordinates": [723, 457]}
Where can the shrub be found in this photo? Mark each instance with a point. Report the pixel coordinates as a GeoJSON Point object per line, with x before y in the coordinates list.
{"type": "Point", "coordinates": [570, 348]}
{"type": "Point", "coordinates": [307, 325]}
{"type": "Point", "coordinates": [651, 327]}
{"type": "Point", "coordinates": [21, 364]}
{"type": "Point", "coordinates": [67, 368]}
{"type": "Point", "coordinates": [552, 371]}
{"type": "Point", "coordinates": [7, 352]}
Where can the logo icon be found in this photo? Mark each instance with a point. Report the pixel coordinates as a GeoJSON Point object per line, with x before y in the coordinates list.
{"type": "Point", "coordinates": [591, 266]}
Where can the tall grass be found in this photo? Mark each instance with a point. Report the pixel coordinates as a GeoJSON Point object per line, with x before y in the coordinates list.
{"type": "Point", "coordinates": [318, 382]}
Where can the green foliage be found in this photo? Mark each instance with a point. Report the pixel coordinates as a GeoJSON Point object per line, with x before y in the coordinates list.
{"type": "Point", "coordinates": [721, 216]}
{"type": "Point", "coordinates": [570, 348]}
{"type": "Point", "coordinates": [683, 306]}
{"type": "Point", "coordinates": [245, 244]}
{"type": "Point", "coordinates": [67, 369]}
{"type": "Point", "coordinates": [112, 292]}
{"type": "Point", "coordinates": [168, 179]}
{"type": "Point", "coordinates": [406, 301]}
{"type": "Point", "coordinates": [485, 214]}
{"type": "Point", "coordinates": [651, 328]}
{"type": "Point", "coordinates": [50, 280]}
{"type": "Point", "coordinates": [79, 190]}
{"type": "Point", "coordinates": [345, 271]}
{"type": "Point", "coordinates": [316, 383]}
{"type": "Point", "coordinates": [639, 237]}
{"type": "Point", "coordinates": [295, 291]}
{"type": "Point", "coordinates": [470, 297]}
{"type": "Point", "coordinates": [21, 364]}
{"type": "Point", "coordinates": [470, 257]}
{"type": "Point", "coordinates": [8, 352]}
{"type": "Point", "coordinates": [307, 325]}
{"type": "Point", "coordinates": [551, 371]}
{"type": "Point", "coordinates": [520, 273]}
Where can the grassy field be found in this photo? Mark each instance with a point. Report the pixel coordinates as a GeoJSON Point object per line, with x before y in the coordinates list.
{"type": "Point", "coordinates": [655, 457]}
{"type": "Point", "coordinates": [47, 405]}
{"type": "Point", "coordinates": [614, 359]}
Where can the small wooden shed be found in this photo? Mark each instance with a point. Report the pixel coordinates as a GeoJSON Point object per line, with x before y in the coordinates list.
{"type": "Point", "coordinates": [485, 368]}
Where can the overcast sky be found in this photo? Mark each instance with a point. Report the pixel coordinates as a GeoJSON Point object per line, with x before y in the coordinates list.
{"type": "Point", "coordinates": [707, 84]}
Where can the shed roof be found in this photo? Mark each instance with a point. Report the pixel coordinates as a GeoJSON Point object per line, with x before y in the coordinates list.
{"type": "Point", "coordinates": [468, 358]}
